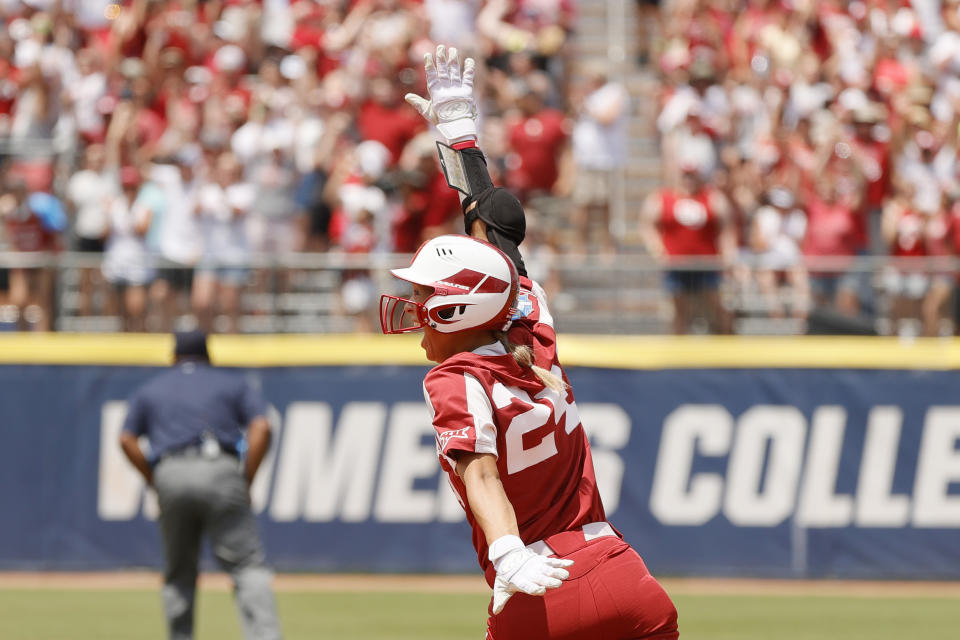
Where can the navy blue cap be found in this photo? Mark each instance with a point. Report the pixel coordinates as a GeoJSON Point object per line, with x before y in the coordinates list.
{"type": "Point", "coordinates": [191, 344]}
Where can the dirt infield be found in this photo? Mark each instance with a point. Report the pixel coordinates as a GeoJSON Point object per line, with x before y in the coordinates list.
{"type": "Point", "coordinates": [475, 584]}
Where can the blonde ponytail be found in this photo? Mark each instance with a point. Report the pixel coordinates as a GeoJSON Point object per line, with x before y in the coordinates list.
{"type": "Point", "coordinates": [524, 357]}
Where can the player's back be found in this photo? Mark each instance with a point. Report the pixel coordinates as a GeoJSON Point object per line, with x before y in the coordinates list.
{"type": "Point", "coordinates": [543, 456]}
{"type": "Point", "coordinates": [544, 463]}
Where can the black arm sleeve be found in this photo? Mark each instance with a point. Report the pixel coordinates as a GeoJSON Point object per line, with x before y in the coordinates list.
{"type": "Point", "coordinates": [497, 207]}
{"type": "Point", "coordinates": [475, 166]}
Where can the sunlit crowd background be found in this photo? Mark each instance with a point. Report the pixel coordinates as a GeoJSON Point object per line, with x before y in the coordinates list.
{"type": "Point", "coordinates": [179, 151]}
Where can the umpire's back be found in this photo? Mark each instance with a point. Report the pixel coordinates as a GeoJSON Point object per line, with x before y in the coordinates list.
{"type": "Point", "coordinates": [193, 405]}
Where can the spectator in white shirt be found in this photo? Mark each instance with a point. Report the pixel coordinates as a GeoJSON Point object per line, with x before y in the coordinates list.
{"type": "Point", "coordinates": [599, 150]}
{"type": "Point", "coordinates": [89, 193]}
{"type": "Point", "coordinates": [777, 230]}
{"type": "Point", "coordinates": [127, 263]}
{"type": "Point", "coordinates": [222, 207]}
{"type": "Point", "coordinates": [174, 233]}
{"type": "Point", "coordinates": [84, 92]}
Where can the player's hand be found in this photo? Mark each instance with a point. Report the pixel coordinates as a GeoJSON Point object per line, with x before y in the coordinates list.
{"type": "Point", "coordinates": [520, 569]}
{"type": "Point", "coordinates": [451, 106]}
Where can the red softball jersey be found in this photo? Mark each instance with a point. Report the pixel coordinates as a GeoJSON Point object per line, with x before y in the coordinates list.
{"type": "Point", "coordinates": [688, 225]}
{"type": "Point", "coordinates": [484, 402]}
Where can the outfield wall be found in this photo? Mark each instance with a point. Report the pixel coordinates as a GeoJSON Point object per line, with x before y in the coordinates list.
{"type": "Point", "coordinates": [724, 456]}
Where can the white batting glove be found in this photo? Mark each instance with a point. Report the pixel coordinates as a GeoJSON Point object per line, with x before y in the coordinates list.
{"type": "Point", "coordinates": [451, 106]}
{"type": "Point", "coordinates": [520, 569]}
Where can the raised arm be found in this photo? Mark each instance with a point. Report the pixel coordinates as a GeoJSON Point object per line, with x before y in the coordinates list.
{"type": "Point", "coordinates": [490, 213]}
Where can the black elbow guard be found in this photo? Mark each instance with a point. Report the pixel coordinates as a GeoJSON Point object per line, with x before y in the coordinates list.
{"type": "Point", "coordinates": [505, 220]}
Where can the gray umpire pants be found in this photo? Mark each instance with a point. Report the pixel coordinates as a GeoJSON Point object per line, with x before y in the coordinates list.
{"type": "Point", "coordinates": [200, 496]}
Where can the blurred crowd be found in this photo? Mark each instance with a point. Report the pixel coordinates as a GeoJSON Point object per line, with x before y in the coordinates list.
{"type": "Point", "coordinates": [798, 135]}
{"type": "Point", "coordinates": [808, 151]}
{"type": "Point", "coordinates": [188, 142]}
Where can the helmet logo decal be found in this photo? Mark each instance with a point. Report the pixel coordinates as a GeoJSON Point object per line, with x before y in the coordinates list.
{"type": "Point", "coordinates": [476, 282]}
{"type": "Point", "coordinates": [453, 284]}
{"type": "Point", "coordinates": [447, 436]}
{"type": "Point", "coordinates": [524, 307]}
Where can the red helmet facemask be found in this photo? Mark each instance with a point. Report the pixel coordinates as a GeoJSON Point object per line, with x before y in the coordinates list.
{"type": "Point", "coordinates": [401, 315]}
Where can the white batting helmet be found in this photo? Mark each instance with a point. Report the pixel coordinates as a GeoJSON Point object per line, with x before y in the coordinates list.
{"type": "Point", "coordinates": [474, 287]}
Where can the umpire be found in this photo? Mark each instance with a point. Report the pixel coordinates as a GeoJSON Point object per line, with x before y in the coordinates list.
{"type": "Point", "coordinates": [194, 416]}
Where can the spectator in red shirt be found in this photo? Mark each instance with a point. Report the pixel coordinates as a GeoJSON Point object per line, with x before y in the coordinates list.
{"type": "Point", "coordinates": [537, 139]}
{"type": "Point", "coordinates": [9, 82]}
{"type": "Point", "coordinates": [148, 125]}
{"type": "Point", "coordinates": [681, 225]}
{"type": "Point", "coordinates": [386, 118]}
{"type": "Point", "coordinates": [429, 206]}
{"type": "Point", "coordinates": [873, 156]}
{"type": "Point", "coordinates": [890, 74]}
{"type": "Point", "coordinates": [27, 229]}
{"type": "Point", "coordinates": [943, 242]}
{"type": "Point", "coordinates": [833, 231]}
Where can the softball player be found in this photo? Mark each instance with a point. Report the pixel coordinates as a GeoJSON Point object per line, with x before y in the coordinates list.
{"type": "Point", "coordinates": [508, 432]}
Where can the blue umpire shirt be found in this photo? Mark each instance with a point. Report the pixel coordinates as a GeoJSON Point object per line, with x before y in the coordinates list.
{"type": "Point", "coordinates": [175, 409]}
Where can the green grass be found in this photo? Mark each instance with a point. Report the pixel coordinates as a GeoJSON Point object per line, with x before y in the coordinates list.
{"type": "Point", "coordinates": [135, 615]}
{"type": "Point", "coordinates": [47, 614]}
{"type": "Point", "coordinates": [817, 618]}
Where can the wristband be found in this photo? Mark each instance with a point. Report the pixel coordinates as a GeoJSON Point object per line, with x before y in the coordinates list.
{"type": "Point", "coordinates": [501, 547]}
{"type": "Point", "coordinates": [458, 130]}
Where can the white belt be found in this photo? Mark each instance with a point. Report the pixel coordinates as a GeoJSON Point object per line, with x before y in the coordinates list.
{"type": "Point", "coordinates": [590, 531]}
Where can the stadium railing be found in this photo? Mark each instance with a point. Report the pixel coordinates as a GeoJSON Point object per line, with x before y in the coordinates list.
{"type": "Point", "coordinates": [305, 292]}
